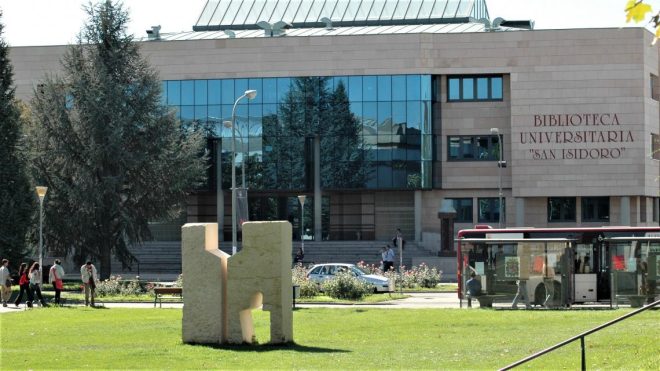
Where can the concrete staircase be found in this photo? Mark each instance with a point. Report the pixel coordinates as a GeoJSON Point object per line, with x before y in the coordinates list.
{"type": "Point", "coordinates": [161, 260]}
{"type": "Point", "coordinates": [157, 261]}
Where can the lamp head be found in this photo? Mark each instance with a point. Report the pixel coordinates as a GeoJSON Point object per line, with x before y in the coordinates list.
{"type": "Point", "coordinates": [41, 192]}
{"type": "Point", "coordinates": [251, 94]}
{"type": "Point", "coordinates": [494, 131]}
{"type": "Point", "coordinates": [302, 198]}
{"type": "Point", "coordinates": [227, 124]}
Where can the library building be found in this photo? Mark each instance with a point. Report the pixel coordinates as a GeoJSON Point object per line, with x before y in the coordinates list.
{"type": "Point", "coordinates": [386, 114]}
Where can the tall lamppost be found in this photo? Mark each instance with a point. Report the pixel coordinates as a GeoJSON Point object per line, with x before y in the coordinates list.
{"type": "Point", "coordinates": [500, 164]}
{"type": "Point", "coordinates": [250, 94]}
{"type": "Point", "coordinates": [41, 192]}
{"type": "Point", "coordinates": [302, 198]}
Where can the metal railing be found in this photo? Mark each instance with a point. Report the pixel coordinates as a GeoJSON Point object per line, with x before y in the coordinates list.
{"type": "Point", "coordinates": [581, 338]}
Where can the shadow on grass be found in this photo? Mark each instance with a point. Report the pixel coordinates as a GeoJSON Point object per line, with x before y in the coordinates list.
{"type": "Point", "coordinates": [271, 347]}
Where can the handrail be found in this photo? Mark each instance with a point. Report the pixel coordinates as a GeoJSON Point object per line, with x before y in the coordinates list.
{"type": "Point", "coordinates": [581, 337]}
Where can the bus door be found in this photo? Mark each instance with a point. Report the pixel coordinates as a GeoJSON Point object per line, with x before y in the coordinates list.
{"type": "Point", "coordinates": [585, 277]}
{"type": "Point", "coordinates": [602, 269]}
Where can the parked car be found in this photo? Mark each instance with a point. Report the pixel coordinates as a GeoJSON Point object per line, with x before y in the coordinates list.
{"type": "Point", "coordinates": [322, 272]}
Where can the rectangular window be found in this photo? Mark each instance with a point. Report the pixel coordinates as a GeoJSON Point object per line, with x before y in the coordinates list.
{"type": "Point", "coordinates": [642, 209]}
{"type": "Point", "coordinates": [561, 209]}
{"type": "Point", "coordinates": [595, 209]}
{"type": "Point", "coordinates": [473, 148]}
{"type": "Point", "coordinates": [454, 87]}
{"type": "Point", "coordinates": [489, 210]}
{"type": "Point", "coordinates": [655, 87]}
{"type": "Point", "coordinates": [474, 88]}
{"type": "Point", "coordinates": [463, 207]}
{"type": "Point", "coordinates": [655, 146]}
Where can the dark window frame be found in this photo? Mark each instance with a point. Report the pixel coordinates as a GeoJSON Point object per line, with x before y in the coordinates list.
{"type": "Point", "coordinates": [564, 212]}
{"type": "Point", "coordinates": [456, 203]}
{"type": "Point", "coordinates": [494, 215]}
{"type": "Point", "coordinates": [492, 146]}
{"type": "Point", "coordinates": [475, 89]}
{"type": "Point", "coordinates": [598, 205]}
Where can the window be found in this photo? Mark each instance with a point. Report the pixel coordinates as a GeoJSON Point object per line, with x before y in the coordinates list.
{"type": "Point", "coordinates": [463, 207]}
{"type": "Point", "coordinates": [655, 146]}
{"type": "Point", "coordinates": [474, 88]}
{"type": "Point", "coordinates": [489, 210]}
{"type": "Point", "coordinates": [655, 84]}
{"type": "Point", "coordinates": [473, 148]}
{"type": "Point", "coordinates": [642, 209]}
{"type": "Point", "coordinates": [561, 209]}
{"type": "Point", "coordinates": [595, 209]}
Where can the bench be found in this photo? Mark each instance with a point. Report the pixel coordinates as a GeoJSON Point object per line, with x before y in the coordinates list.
{"type": "Point", "coordinates": [486, 301]}
{"type": "Point", "coordinates": [167, 293]}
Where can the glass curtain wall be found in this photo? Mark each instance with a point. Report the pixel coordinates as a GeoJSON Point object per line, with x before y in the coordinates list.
{"type": "Point", "coordinates": [374, 131]}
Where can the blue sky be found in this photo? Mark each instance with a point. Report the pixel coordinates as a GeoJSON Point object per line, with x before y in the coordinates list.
{"type": "Point", "coordinates": [54, 22]}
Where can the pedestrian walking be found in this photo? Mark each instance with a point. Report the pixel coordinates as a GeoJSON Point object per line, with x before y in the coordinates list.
{"type": "Point", "coordinates": [89, 278]}
{"type": "Point", "coordinates": [24, 285]}
{"type": "Point", "coordinates": [5, 282]}
{"type": "Point", "coordinates": [35, 283]}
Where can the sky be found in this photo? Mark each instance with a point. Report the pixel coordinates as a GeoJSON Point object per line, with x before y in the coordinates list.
{"type": "Point", "coordinates": [57, 22]}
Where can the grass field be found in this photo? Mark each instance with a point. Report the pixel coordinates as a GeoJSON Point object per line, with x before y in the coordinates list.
{"type": "Point", "coordinates": [356, 338]}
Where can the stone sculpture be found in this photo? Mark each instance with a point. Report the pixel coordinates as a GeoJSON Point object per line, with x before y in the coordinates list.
{"type": "Point", "coordinates": [220, 291]}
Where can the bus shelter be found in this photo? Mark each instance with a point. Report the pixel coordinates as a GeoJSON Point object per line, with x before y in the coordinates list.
{"type": "Point", "coordinates": [635, 266]}
{"type": "Point", "coordinates": [538, 268]}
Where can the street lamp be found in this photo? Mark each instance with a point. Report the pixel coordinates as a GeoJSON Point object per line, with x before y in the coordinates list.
{"type": "Point", "coordinates": [500, 164]}
{"type": "Point", "coordinates": [302, 198]}
{"type": "Point", "coordinates": [41, 192]}
{"type": "Point", "coordinates": [250, 94]}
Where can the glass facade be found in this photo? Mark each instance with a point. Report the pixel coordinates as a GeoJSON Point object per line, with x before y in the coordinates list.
{"type": "Point", "coordinates": [373, 132]}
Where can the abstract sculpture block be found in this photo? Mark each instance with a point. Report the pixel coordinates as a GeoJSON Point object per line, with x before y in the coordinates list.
{"type": "Point", "coordinates": [220, 291]}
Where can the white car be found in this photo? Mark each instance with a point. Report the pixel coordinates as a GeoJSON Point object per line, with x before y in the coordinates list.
{"type": "Point", "coordinates": [324, 272]}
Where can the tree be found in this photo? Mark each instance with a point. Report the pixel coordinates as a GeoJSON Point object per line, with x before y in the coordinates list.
{"type": "Point", "coordinates": [16, 195]}
{"type": "Point", "coordinates": [637, 11]}
{"type": "Point", "coordinates": [112, 156]}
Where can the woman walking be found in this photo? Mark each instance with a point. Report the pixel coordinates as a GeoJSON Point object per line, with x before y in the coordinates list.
{"type": "Point", "coordinates": [24, 284]}
{"type": "Point", "coordinates": [35, 283]}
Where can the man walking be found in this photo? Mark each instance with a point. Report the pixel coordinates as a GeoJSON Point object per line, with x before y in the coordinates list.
{"type": "Point", "coordinates": [89, 278]}
{"type": "Point", "coordinates": [5, 282]}
{"type": "Point", "coordinates": [388, 259]}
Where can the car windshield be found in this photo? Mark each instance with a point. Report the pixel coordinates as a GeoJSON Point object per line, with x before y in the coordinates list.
{"type": "Point", "coordinates": [358, 271]}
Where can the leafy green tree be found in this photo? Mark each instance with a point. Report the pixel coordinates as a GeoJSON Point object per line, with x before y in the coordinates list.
{"type": "Point", "coordinates": [112, 156]}
{"type": "Point", "coordinates": [16, 195]}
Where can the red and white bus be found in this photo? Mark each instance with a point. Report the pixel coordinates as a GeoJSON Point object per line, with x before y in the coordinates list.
{"type": "Point", "coordinates": [567, 265]}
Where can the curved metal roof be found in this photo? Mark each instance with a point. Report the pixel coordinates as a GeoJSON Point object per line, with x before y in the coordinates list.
{"type": "Point", "coordinates": [245, 14]}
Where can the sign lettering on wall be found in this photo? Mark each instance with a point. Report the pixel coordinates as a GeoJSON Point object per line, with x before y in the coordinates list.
{"type": "Point", "coordinates": [577, 136]}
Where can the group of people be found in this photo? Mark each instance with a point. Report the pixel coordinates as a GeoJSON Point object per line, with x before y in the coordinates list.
{"type": "Point", "coordinates": [30, 282]}
{"type": "Point", "coordinates": [387, 252]}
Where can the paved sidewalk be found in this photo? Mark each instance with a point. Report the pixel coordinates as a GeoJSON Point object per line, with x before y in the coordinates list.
{"type": "Point", "coordinates": [416, 300]}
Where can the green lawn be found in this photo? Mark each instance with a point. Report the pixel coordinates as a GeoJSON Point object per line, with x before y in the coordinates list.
{"type": "Point", "coordinates": [356, 338]}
